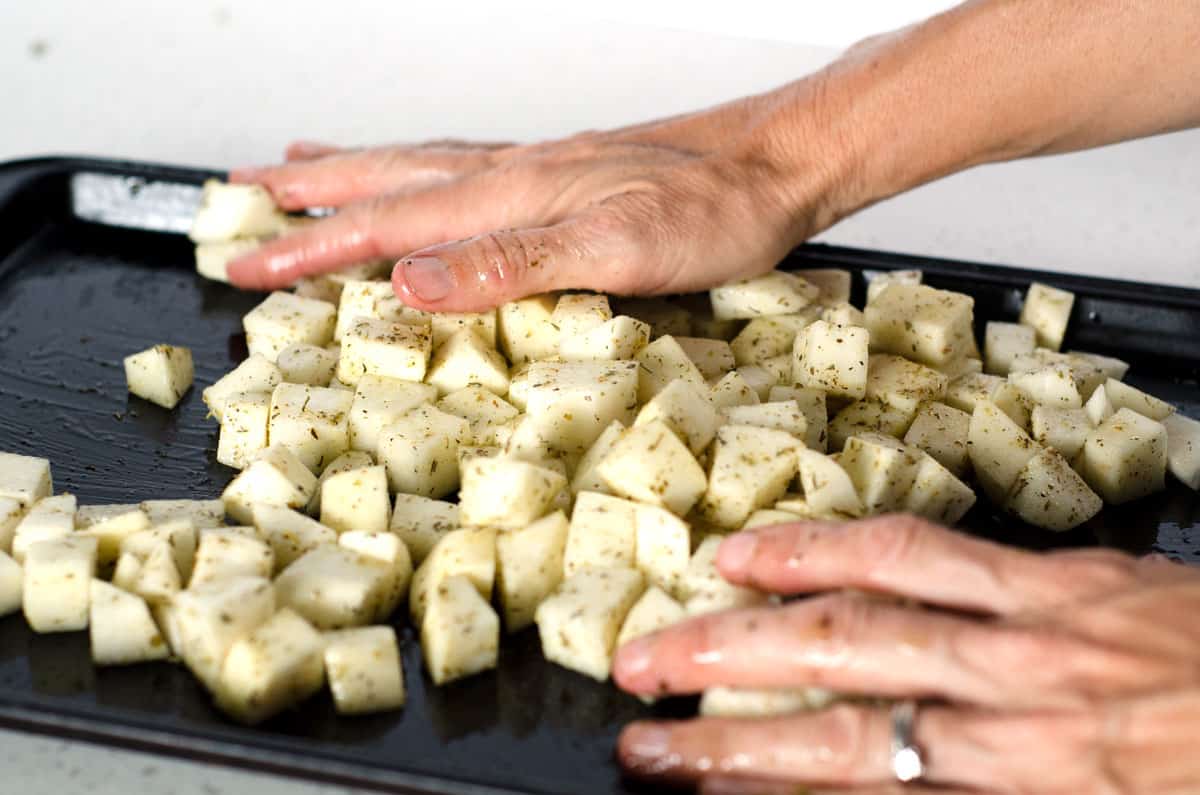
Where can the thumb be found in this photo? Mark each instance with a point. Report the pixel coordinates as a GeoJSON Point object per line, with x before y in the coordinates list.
{"type": "Point", "coordinates": [481, 272]}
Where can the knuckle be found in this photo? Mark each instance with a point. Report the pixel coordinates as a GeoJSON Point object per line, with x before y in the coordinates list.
{"type": "Point", "coordinates": [848, 729]}
{"type": "Point", "coordinates": [1102, 570]}
{"type": "Point", "coordinates": [843, 620]}
{"type": "Point", "coordinates": [893, 540]}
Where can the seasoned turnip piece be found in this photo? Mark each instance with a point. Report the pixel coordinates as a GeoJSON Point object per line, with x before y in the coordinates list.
{"type": "Point", "coordinates": [460, 632]}
{"type": "Point", "coordinates": [1048, 311]}
{"type": "Point", "coordinates": [161, 374]}
{"type": "Point", "coordinates": [579, 624]}
{"type": "Point", "coordinates": [364, 670]}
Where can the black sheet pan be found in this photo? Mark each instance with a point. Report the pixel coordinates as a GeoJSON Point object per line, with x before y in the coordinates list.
{"type": "Point", "coordinates": [75, 298]}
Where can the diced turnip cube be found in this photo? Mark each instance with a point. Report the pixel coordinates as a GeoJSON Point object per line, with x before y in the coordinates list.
{"type": "Point", "coordinates": [1053, 386]}
{"type": "Point", "coordinates": [811, 403]}
{"type": "Point", "coordinates": [222, 554]}
{"type": "Point", "coordinates": [229, 212]}
{"type": "Point", "coordinates": [587, 475]}
{"type": "Point", "coordinates": [929, 326]}
{"type": "Point", "coordinates": [1099, 407]}
{"type": "Point", "coordinates": [832, 359]}
{"type": "Point", "coordinates": [1003, 342]}
{"type": "Point", "coordinates": [579, 624]}
{"type": "Point", "coordinates": [739, 702]}
{"type": "Point", "coordinates": [763, 338]}
{"type": "Point", "coordinates": [663, 546]}
{"type": "Point", "coordinates": [881, 281]}
{"type": "Point", "coordinates": [421, 522]}
{"type": "Point", "coordinates": [529, 567]}
{"type": "Point", "coordinates": [712, 357]}
{"type": "Point", "coordinates": [685, 408]}
{"type": "Point", "coordinates": [380, 401]}
{"type": "Point", "coordinates": [941, 431]}
{"type": "Point", "coordinates": [579, 313]}
{"type": "Point", "coordinates": [460, 633]}
{"type": "Point", "coordinates": [506, 493]}
{"type": "Point", "coordinates": [446, 324]}
{"type": "Point", "coordinates": [307, 364]}
{"type": "Point", "coordinates": [276, 477]}
{"type": "Point", "coordinates": [210, 618]}
{"type": "Point", "coordinates": [751, 468]}
{"type": "Point", "coordinates": [650, 464]}
{"type": "Point", "coordinates": [364, 670]}
{"type": "Point", "coordinates": [255, 374]}
{"type": "Point", "coordinates": [1048, 310]}
{"type": "Point", "coordinates": [158, 578]}
{"type": "Point", "coordinates": [56, 586]}
{"type": "Point", "coordinates": [121, 628]}
{"type": "Point", "coordinates": [1065, 430]}
{"type": "Point", "coordinates": [487, 412]}
{"type": "Point", "coordinates": [525, 330]}
{"type": "Point", "coordinates": [1183, 449]}
{"type": "Point", "coordinates": [465, 359]}
{"type": "Point", "coordinates": [1125, 457]}
{"type": "Point", "coordinates": [243, 428]}
{"type": "Point", "coordinates": [311, 421]}
{"type": "Point", "coordinates": [706, 591]}
{"type": "Point", "coordinates": [178, 534]}
{"type": "Point", "coordinates": [760, 379]}
{"type": "Point", "coordinates": [662, 362]}
{"type": "Point", "coordinates": [374, 300]}
{"type": "Point", "coordinates": [1124, 396]}
{"type": "Point", "coordinates": [764, 517]}
{"type": "Point", "coordinates": [335, 587]}
{"type": "Point", "coordinates": [24, 478]}
{"type": "Point", "coordinates": [50, 518]}
{"type": "Point", "coordinates": [906, 385]}
{"type": "Point", "coordinates": [999, 449]}
{"type": "Point", "coordinates": [278, 664]}
{"type": "Point", "coordinates": [469, 551]}
{"type": "Point", "coordinates": [774, 293]}
{"type": "Point", "coordinates": [833, 283]}
{"type": "Point", "coordinates": [868, 416]}
{"type": "Point", "coordinates": [883, 471]}
{"type": "Point", "coordinates": [937, 494]}
{"type": "Point", "coordinates": [290, 533]}
{"type": "Point", "coordinates": [827, 487]}
{"type": "Point", "coordinates": [356, 500]}
{"type": "Point", "coordinates": [386, 348]}
{"type": "Point", "coordinates": [732, 390]}
{"type": "Point", "coordinates": [602, 533]}
{"type": "Point", "coordinates": [111, 531]}
{"type": "Point", "coordinates": [284, 319]}
{"type": "Point", "coordinates": [201, 513]}
{"type": "Point", "coordinates": [784, 415]}
{"type": "Point", "coordinates": [1049, 494]}
{"type": "Point", "coordinates": [420, 451]}
{"type": "Point", "coordinates": [160, 374]}
{"type": "Point", "coordinates": [388, 549]}
{"type": "Point", "coordinates": [12, 584]}
{"type": "Point", "coordinates": [1109, 365]}
{"type": "Point", "coordinates": [11, 511]}
{"type": "Point", "coordinates": [622, 337]}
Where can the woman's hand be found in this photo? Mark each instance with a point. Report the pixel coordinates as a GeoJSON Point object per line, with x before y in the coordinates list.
{"type": "Point", "coordinates": [671, 206]}
{"type": "Point", "coordinates": [1071, 672]}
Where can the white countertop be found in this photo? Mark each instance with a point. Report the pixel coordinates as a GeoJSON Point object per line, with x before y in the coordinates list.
{"type": "Point", "coordinates": [218, 84]}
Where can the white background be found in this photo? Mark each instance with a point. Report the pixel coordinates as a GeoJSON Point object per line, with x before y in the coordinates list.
{"type": "Point", "coordinates": [219, 83]}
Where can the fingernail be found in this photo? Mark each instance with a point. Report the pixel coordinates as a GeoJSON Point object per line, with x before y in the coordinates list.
{"type": "Point", "coordinates": [427, 278]}
{"type": "Point", "coordinates": [633, 659]}
{"type": "Point", "coordinates": [646, 744]}
{"type": "Point", "coordinates": [737, 551]}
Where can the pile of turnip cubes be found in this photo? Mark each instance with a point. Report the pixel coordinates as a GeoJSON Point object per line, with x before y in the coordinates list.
{"type": "Point", "coordinates": [598, 451]}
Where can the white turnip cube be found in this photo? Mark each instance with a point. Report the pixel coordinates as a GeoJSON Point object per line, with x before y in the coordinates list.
{"type": "Point", "coordinates": [883, 471]}
{"type": "Point", "coordinates": [655, 610]}
{"type": "Point", "coordinates": [685, 408]}
{"type": "Point", "coordinates": [868, 416]}
{"type": "Point", "coordinates": [446, 324]}
{"type": "Point", "coordinates": [243, 428]}
{"type": "Point", "coordinates": [812, 404]}
{"type": "Point", "coordinates": [1049, 494]}
{"type": "Point", "coordinates": [389, 550]}
{"type": "Point", "coordinates": [488, 413]}
{"type": "Point", "coordinates": [11, 511]}
{"type": "Point", "coordinates": [57, 584]}
{"type": "Point", "coordinates": [420, 451]}
{"type": "Point", "coordinates": [210, 618]}
{"type": "Point", "coordinates": [937, 494]}
{"type": "Point", "coordinates": [574, 402]}
{"type": "Point", "coordinates": [774, 293]}
{"type": "Point", "coordinates": [712, 357]}
{"type": "Point", "coordinates": [650, 464]}
{"type": "Point", "coordinates": [704, 589]}
{"type": "Point", "coordinates": [290, 533]}
{"type": "Point", "coordinates": [179, 535]}
{"type": "Point", "coordinates": [12, 584]}
{"type": "Point", "coordinates": [1003, 342]}
{"type": "Point", "coordinates": [602, 533]}
{"type": "Point", "coordinates": [783, 415]}
{"type": "Point", "coordinates": [929, 326]}
{"type": "Point", "coordinates": [740, 702]}
{"type": "Point", "coordinates": [529, 567]}
{"type": "Point", "coordinates": [750, 469]}
{"type": "Point", "coordinates": [760, 379]}
{"type": "Point", "coordinates": [364, 670]}
{"type": "Point", "coordinates": [1125, 457]}
{"type": "Point", "coordinates": [833, 284]}
{"type": "Point", "coordinates": [1183, 449]}
{"type": "Point", "coordinates": [335, 587]}
{"type": "Point", "coordinates": [1065, 430]}
{"type": "Point", "coordinates": [470, 552]}
{"type": "Point", "coordinates": [762, 339]}
{"type": "Point", "coordinates": [1054, 386]}
{"type": "Point", "coordinates": [276, 477]}
{"type": "Point", "coordinates": [465, 359]}
{"type": "Point", "coordinates": [999, 449]}
{"type": "Point", "coordinates": [662, 362]}
{"type": "Point", "coordinates": [579, 624]}
{"type": "Point", "coordinates": [832, 359]}
{"type": "Point", "coordinates": [223, 554]}
{"type": "Point", "coordinates": [827, 487]}
{"type": "Point", "coordinates": [941, 431]}
{"type": "Point", "coordinates": [380, 401]}
{"type": "Point", "coordinates": [284, 319]}
{"type": "Point", "coordinates": [622, 337]}
{"type": "Point", "coordinates": [587, 475]}
{"type": "Point", "coordinates": [1098, 407]}
{"type": "Point", "coordinates": [662, 548]}
{"type": "Point", "coordinates": [255, 374]}
{"type": "Point", "coordinates": [1111, 366]}
{"type": "Point", "coordinates": [386, 348]}
{"type": "Point", "coordinates": [733, 390]}
{"type": "Point", "coordinates": [525, 331]}
{"type": "Point", "coordinates": [377, 301]}
{"type": "Point", "coordinates": [50, 518]}
{"type": "Point", "coordinates": [311, 421]}
{"type": "Point", "coordinates": [578, 313]}
{"type": "Point", "coordinates": [201, 513]}
{"type": "Point", "coordinates": [277, 665]}
{"type": "Point", "coordinates": [112, 530]}
{"type": "Point", "coordinates": [1124, 396]}
{"type": "Point", "coordinates": [307, 364]}
{"type": "Point", "coordinates": [161, 374]}
{"type": "Point", "coordinates": [121, 629]}
{"type": "Point", "coordinates": [1048, 311]}
{"type": "Point", "coordinates": [506, 493]}
{"type": "Point", "coordinates": [460, 634]}
{"type": "Point", "coordinates": [898, 382]}
{"type": "Point", "coordinates": [229, 212]}
{"type": "Point", "coordinates": [879, 282]}
{"type": "Point", "coordinates": [24, 478]}
{"type": "Point", "coordinates": [421, 522]}
{"type": "Point", "coordinates": [357, 500]}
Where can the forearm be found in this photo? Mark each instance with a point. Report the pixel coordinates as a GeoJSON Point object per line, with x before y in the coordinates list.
{"type": "Point", "coordinates": [988, 81]}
